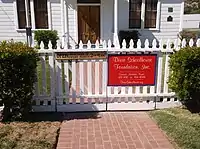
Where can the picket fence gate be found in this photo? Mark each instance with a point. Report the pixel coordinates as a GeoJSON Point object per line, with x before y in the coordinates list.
{"type": "Point", "coordinates": [81, 85]}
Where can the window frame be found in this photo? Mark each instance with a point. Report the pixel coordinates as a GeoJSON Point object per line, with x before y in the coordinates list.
{"type": "Point", "coordinates": [32, 16]}
{"type": "Point", "coordinates": [143, 6]}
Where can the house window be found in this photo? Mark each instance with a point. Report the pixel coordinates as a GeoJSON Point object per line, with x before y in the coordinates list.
{"type": "Point", "coordinates": [41, 14]}
{"type": "Point", "coordinates": [150, 13]}
{"type": "Point", "coordinates": [143, 13]}
{"type": "Point", "coordinates": [22, 13]}
{"type": "Point", "coordinates": [38, 14]}
{"type": "Point", "coordinates": [135, 14]}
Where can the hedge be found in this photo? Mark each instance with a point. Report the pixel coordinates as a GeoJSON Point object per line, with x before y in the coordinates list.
{"type": "Point", "coordinates": [18, 64]}
{"type": "Point", "coordinates": [185, 74]}
{"type": "Point", "coordinates": [46, 36]}
{"type": "Point", "coordinates": [128, 35]}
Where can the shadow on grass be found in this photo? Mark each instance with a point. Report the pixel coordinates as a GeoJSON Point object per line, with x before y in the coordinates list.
{"type": "Point", "coordinates": [59, 116]}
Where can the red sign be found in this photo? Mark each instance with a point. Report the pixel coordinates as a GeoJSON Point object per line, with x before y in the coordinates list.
{"type": "Point", "coordinates": [131, 70]}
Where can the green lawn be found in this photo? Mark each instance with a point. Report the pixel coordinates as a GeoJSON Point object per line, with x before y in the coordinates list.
{"type": "Point", "coordinates": [180, 125]}
{"type": "Point", "coordinates": [30, 135]}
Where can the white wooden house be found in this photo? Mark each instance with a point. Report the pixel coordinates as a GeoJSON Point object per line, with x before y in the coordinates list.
{"type": "Point", "coordinates": [93, 19]}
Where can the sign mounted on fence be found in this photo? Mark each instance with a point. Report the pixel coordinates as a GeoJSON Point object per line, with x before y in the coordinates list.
{"type": "Point", "coordinates": [81, 55]}
{"type": "Point", "coordinates": [132, 70]}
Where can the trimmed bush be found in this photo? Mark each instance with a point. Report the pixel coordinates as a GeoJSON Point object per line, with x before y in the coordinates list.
{"type": "Point", "coordinates": [185, 74]}
{"type": "Point", "coordinates": [18, 64]}
{"type": "Point", "coordinates": [189, 35]}
{"type": "Point", "coordinates": [46, 36]}
{"type": "Point", "coordinates": [128, 35]}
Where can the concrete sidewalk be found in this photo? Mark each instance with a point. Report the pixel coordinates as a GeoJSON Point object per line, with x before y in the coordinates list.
{"type": "Point", "coordinates": [117, 130]}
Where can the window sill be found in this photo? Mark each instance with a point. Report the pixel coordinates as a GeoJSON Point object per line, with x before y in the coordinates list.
{"type": "Point", "coordinates": [24, 30]}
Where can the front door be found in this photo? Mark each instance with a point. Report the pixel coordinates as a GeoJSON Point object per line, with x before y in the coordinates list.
{"type": "Point", "coordinates": [88, 23]}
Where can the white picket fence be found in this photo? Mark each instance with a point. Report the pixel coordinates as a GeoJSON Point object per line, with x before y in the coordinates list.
{"type": "Point", "coordinates": [81, 85]}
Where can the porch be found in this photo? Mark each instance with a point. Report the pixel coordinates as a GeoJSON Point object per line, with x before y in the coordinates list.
{"type": "Point", "coordinates": [93, 20]}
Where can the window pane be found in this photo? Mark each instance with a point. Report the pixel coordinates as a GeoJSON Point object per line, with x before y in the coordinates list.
{"type": "Point", "coordinates": [41, 14]}
{"type": "Point", "coordinates": [135, 13]}
{"type": "Point", "coordinates": [150, 13]}
{"type": "Point", "coordinates": [22, 13]}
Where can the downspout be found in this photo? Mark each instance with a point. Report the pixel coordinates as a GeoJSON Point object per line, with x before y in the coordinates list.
{"type": "Point", "coordinates": [66, 23]}
{"type": "Point", "coordinates": [181, 16]}
{"type": "Point", "coordinates": [62, 23]}
{"type": "Point", "coordinates": [28, 24]}
{"type": "Point", "coordinates": [115, 36]}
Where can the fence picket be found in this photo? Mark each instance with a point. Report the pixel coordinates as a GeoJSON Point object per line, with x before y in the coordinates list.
{"type": "Point", "coordinates": [116, 90]}
{"type": "Point", "coordinates": [109, 43]}
{"type": "Point", "coordinates": [50, 46]}
{"type": "Point", "coordinates": [104, 78]}
{"type": "Point", "coordinates": [159, 74]}
{"type": "Point", "coordinates": [139, 44]}
{"type": "Point", "coordinates": [89, 78]}
{"type": "Point", "coordinates": [130, 90]}
{"type": "Point", "coordinates": [81, 44]}
{"type": "Point", "coordinates": [154, 43]}
{"type": "Point", "coordinates": [144, 89]}
{"type": "Point", "coordinates": [59, 81]}
{"type": "Point", "coordinates": [97, 44]}
{"type": "Point", "coordinates": [36, 87]}
{"type": "Point", "coordinates": [89, 45]}
{"type": "Point", "coordinates": [97, 78]}
{"type": "Point", "coordinates": [191, 43]}
{"type": "Point", "coordinates": [74, 77]}
{"type": "Point", "coordinates": [124, 44]}
{"type": "Point", "coordinates": [66, 75]}
{"type": "Point", "coordinates": [131, 44]}
{"type": "Point", "coordinates": [58, 45]}
{"type": "Point", "coordinates": [44, 79]}
{"type": "Point", "coordinates": [183, 44]}
{"type": "Point", "coordinates": [123, 90]}
{"type": "Point", "coordinates": [137, 90]}
{"type": "Point", "coordinates": [42, 45]}
{"type": "Point", "coordinates": [198, 43]}
{"type": "Point", "coordinates": [52, 75]}
{"type": "Point", "coordinates": [166, 73]}
{"type": "Point", "coordinates": [146, 44]}
{"type": "Point", "coordinates": [152, 89]}
{"type": "Point", "coordinates": [82, 75]}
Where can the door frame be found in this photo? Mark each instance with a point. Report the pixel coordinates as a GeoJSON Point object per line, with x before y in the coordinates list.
{"type": "Point", "coordinates": [101, 18]}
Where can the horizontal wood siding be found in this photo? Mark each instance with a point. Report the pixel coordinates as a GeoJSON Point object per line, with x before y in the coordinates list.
{"type": "Point", "coordinates": [191, 21]}
{"type": "Point", "coordinates": [56, 17]}
{"type": "Point", "coordinates": [8, 27]}
{"type": "Point", "coordinates": [7, 22]}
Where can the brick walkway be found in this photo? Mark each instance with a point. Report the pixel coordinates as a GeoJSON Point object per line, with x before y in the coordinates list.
{"type": "Point", "coordinates": [133, 130]}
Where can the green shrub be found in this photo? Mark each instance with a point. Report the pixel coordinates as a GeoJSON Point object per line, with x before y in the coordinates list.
{"type": "Point", "coordinates": [128, 35]}
{"type": "Point", "coordinates": [18, 64]}
{"type": "Point", "coordinates": [185, 74]}
{"type": "Point", "coordinates": [46, 36]}
{"type": "Point", "coordinates": [188, 35]}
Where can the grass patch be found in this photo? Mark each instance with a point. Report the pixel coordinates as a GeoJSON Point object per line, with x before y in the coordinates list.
{"type": "Point", "coordinates": [40, 71]}
{"type": "Point", "coordinates": [180, 125]}
{"type": "Point", "coordinates": [29, 135]}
